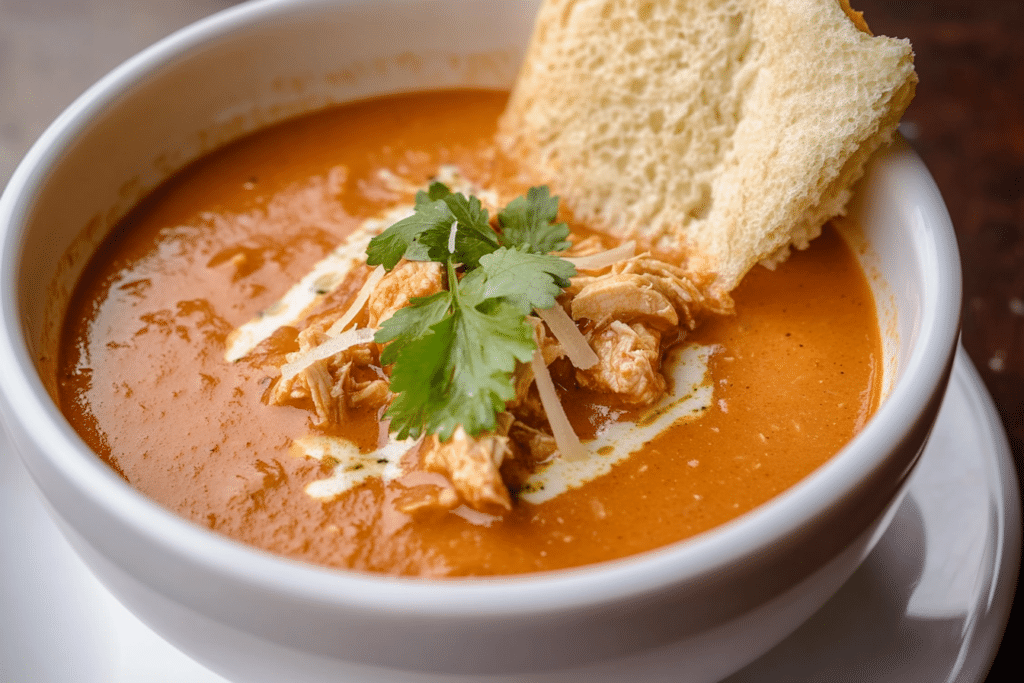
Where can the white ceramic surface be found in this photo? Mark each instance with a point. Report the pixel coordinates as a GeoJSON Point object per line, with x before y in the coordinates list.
{"type": "Point", "coordinates": [928, 604]}
{"type": "Point", "coordinates": [716, 602]}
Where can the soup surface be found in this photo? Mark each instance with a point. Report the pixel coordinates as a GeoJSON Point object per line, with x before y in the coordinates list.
{"type": "Point", "coordinates": [793, 375]}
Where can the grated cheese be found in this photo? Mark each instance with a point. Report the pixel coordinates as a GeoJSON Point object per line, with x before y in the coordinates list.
{"type": "Point", "coordinates": [357, 304]}
{"type": "Point", "coordinates": [603, 259]}
{"type": "Point", "coordinates": [568, 443]}
{"type": "Point", "coordinates": [576, 346]}
{"type": "Point", "coordinates": [330, 347]}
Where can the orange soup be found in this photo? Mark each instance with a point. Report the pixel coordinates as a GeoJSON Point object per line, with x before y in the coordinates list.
{"type": "Point", "coordinates": [790, 377]}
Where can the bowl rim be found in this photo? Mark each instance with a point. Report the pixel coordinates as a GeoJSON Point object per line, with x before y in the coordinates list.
{"type": "Point", "coordinates": [27, 404]}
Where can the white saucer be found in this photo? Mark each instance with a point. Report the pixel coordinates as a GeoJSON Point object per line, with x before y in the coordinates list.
{"type": "Point", "coordinates": [928, 605]}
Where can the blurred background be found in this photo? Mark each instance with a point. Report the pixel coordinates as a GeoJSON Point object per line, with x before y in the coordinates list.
{"type": "Point", "coordinates": [967, 122]}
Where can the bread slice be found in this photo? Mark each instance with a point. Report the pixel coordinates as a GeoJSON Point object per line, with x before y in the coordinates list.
{"type": "Point", "coordinates": [718, 131]}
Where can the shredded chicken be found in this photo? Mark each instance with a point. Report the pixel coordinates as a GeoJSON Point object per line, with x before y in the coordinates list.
{"type": "Point", "coordinates": [406, 280]}
{"type": "Point", "coordinates": [426, 499]}
{"type": "Point", "coordinates": [671, 281]}
{"type": "Point", "coordinates": [628, 311]}
{"type": "Point", "coordinates": [331, 383]}
{"type": "Point", "coordinates": [550, 349]}
{"type": "Point", "coordinates": [538, 443]}
{"type": "Point", "coordinates": [633, 307]}
{"type": "Point", "coordinates": [472, 465]}
{"type": "Point", "coordinates": [624, 297]}
{"type": "Point", "coordinates": [629, 363]}
{"type": "Point", "coordinates": [641, 288]}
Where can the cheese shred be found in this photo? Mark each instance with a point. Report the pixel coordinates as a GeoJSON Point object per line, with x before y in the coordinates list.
{"type": "Point", "coordinates": [569, 336]}
{"type": "Point", "coordinates": [343, 341]}
{"type": "Point", "coordinates": [603, 259]}
{"type": "Point", "coordinates": [357, 304]}
{"type": "Point", "coordinates": [569, 444]}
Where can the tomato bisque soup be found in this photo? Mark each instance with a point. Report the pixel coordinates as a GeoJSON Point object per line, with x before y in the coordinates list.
{"type": "Point", "coordinates": [175, 338]}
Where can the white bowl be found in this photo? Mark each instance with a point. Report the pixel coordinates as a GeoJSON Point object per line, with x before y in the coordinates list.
{"type": "Point", "coordinates": [699, 609]}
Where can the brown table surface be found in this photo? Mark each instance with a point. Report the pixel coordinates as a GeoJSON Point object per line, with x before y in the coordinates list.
{"type": "Point", "coordinates": [967, 122]}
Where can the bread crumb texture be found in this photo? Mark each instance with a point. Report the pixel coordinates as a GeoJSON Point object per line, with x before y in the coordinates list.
{"type": "Point", "coordinates": [718, 131]}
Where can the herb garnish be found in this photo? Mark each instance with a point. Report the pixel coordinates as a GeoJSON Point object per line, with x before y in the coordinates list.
{"type": "Point", "coordinates": [453, 353]}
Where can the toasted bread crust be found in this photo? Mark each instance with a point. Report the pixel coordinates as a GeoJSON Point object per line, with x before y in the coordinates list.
{"type": "Point", "coordinates": [717, 131]}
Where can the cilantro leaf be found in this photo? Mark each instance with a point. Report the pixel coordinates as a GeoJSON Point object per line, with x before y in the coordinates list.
{"type": "Point", "coordinates": [411, 322]}
{"type": "Point", "coordinates": [437, 190]}
{"type": "Point", "coordinates": [390, 246]}
{"type": "Point", "coordinates": [425, 235]}
{"type": "Point", "coordinates": [435, 237]}
{"type": "Point", "coordinates": [528, 222]}
{"type": "Point", "coordinates": [471, 214]}
{"type": "Point", "coordinates": [452, 354]}
{"type": "Point", "coordinates": [455, 371]}
{"type": "Point", "coordinates": [419, 380]}
{"type": "Point", "coordinates": [481, 357]}
{"type": "Point", "coordinates": [525, 280]}
{"type": "Point", "coordinates": [474, 236]}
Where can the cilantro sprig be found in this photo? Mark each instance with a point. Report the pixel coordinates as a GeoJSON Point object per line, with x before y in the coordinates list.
{"type": "Point", "coordinates": [453, 353]}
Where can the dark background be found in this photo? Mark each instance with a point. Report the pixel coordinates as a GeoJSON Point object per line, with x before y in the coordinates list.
{"type": "Point", "coordinates": [967, 122]}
